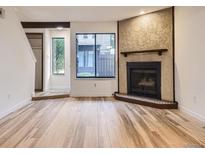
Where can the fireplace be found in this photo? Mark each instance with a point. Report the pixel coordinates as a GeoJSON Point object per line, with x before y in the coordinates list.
{"type": "Point", "coordinates": [144, 79]}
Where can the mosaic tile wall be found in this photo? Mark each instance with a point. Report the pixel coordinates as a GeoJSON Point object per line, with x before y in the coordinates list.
{"type": "Point", "coordinates": [149, 31]}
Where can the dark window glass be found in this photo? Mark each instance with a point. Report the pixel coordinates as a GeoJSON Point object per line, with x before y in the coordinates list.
{"type": "Point", "coordinates": [95, 55]}
{"type": "Point", "coordinates": [105, 55]}
{"type": "Point", "coordinates": [86, 55]}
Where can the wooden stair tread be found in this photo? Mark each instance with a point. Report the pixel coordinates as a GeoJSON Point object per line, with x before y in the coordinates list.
{"type": "Point", "coordinates": [54, 96]}
{"type": "Point", "coordinates": [161, 104]}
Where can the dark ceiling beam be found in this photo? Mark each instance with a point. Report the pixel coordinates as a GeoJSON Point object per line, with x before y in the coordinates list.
{"type": "Point", "coordinates": [45, 24]}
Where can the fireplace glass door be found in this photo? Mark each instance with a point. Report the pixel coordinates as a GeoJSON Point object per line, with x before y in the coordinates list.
{"type": "Point", "coordinates": [144, 79]}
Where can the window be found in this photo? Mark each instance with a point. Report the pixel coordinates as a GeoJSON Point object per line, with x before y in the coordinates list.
{"type": "Point", "coordinates": [58, 60]}
{"type": "Point", "coordinates": [95, 55]}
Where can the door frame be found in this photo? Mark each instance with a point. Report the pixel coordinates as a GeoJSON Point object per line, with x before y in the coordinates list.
{"type": "Point", "coordinates": [42, 68]}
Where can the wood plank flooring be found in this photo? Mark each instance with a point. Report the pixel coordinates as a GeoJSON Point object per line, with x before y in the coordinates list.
{"type": "Point", "coordinates": [98, 122]}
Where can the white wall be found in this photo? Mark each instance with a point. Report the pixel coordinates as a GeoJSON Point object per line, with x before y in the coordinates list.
{"type": "Point", "coordinates": [47, 60]}
{"type": "Point", "coordinates": [46, 54]}
{"type": "Point", "coordinates": [54, 82]}
{"type": "Point", "coordinates": [91, 87]}
{"type": "Point", "coordinates": [17, 65]}
{"type": "Point", "coordinates": [190, 59]}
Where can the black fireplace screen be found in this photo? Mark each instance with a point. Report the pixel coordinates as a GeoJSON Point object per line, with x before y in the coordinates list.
{"type": "Point", "coordinates": [144, 79]}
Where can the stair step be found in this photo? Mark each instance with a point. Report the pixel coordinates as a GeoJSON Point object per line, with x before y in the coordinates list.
{"type": "Point", "coordinates": [57, 96]}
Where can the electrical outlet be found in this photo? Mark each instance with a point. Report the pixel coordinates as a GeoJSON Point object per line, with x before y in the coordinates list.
{"type": "Point", "coordinates": [95, 85]}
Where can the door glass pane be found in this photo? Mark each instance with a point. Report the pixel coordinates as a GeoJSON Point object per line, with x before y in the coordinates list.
{"type": "Point", "coordinates": [105, 55]}
{"type": "Point", "coordinates": [85, 55]}
{"type": "Point", "coordinates": [58, 61]}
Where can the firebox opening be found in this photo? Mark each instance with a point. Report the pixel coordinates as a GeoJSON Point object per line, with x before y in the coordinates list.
{"type": "Point", "coordinates": [144, 79]}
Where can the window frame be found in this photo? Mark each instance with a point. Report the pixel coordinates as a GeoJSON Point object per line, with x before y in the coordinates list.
{"type": "Point", "coordinates": [94, 77]}
{"type": "Point", "coordinates": [52, 56]}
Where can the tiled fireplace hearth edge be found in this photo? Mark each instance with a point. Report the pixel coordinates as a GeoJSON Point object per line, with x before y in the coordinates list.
{"type": "Point", "coordinates": [155, 103]}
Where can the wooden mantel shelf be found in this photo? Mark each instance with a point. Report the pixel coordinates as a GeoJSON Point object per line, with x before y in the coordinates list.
{"type": "Point", "coordinates": [159, 51]}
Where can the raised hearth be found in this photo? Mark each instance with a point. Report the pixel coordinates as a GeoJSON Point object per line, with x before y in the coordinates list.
{"type": "Point", "coordinates": [160, 104]}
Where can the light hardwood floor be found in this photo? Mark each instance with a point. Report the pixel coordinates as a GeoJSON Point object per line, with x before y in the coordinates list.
{"type": "Point", "coordinates": [98, 122]}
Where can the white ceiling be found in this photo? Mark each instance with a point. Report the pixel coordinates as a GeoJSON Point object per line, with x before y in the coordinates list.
{"type": "Point", "coordinates": [81, 13]}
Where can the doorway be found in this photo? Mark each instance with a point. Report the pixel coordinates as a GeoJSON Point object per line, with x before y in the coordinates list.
{"type": "Point", "coordinates": [36, 42]}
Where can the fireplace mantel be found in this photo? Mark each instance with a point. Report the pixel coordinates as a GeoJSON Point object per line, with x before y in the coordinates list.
{"type": "Point", "coordinates": [159, 51]}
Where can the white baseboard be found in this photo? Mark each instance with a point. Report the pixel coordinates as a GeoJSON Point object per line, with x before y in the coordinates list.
{"type": "Point", "coordinates": [192, 113]}
{"type": "Point", "coordinates": [16, 107]}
